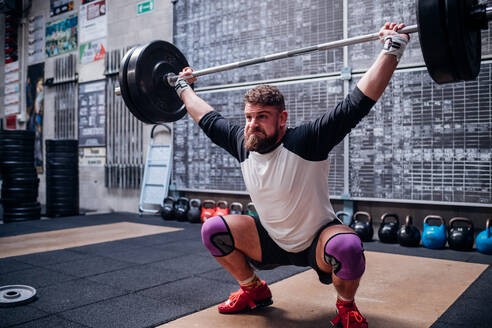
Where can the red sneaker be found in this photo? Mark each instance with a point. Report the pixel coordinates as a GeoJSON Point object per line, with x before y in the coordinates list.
{"type": "Point", "coordinates": [247, 298]}
{"type": "Point", "coordinates": [349, 315]}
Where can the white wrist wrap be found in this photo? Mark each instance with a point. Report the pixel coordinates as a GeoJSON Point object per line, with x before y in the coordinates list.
{"type": "Point", "coordinates": [180, 86]}
{"type": "Point", "coordinates": [395, 45]}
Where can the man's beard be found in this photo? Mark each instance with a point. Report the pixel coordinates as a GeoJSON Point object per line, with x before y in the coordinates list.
{"type": "Point", "coordinates": [260, 142]}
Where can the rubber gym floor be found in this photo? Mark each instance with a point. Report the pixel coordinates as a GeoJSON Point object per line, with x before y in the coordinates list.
{"type": "Point", "coordinates": [122, 270]}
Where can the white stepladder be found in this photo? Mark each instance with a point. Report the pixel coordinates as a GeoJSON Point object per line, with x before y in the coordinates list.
{"type": "Point", "coordinates": [157, 175]}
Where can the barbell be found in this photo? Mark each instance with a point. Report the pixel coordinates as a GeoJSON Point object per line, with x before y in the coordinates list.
{"type": "Point", "coordinates": [449, 35]}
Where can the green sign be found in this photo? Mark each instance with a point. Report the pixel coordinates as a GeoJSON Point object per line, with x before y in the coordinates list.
{"type": "Point", "coordinates": [145, 7]}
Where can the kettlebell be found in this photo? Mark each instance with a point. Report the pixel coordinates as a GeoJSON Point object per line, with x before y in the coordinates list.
{"type": "Point", "coordinates": [345, 217]}
{"type": "Point", "coordinates": [194, 211]}
{"type": "Point", "coordinates": [484, 239]}
{"type": "Point", "coordinates": [167, 209]}
{"type": "Point", "coordinates": [251, 210]}
{"type": "Point", "coordinates": [460, 237]}
{"type": "Point", "coordinates": [181, 208]}
{"type": "Point", "coordinates": [388, 231]}
{"type": "Point", "coordinates": [208, 210]}
{"type": "Point", "coordinates": [408, 234]}
{"type": "Point", "coordinates": [363, 228]}
{"type": "Point", "coordinates": [236, 208]}
{"type": "Point", "coordinates": [434, 236]}
{"type": "Point", "coordinates": [221, 208]}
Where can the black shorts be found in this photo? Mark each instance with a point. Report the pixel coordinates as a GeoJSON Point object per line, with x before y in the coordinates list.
{"type": "Point", "coordinates": [273, 256]}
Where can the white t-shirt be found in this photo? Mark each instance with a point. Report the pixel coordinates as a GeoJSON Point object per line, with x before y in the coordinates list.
{"type": "Point", "coordinates": [289, 185]}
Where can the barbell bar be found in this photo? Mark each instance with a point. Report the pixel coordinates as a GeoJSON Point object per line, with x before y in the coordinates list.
{"type": "Point", "coordinates": [171, 78]}
{"type": "Point", "coordinates": [449, 35]}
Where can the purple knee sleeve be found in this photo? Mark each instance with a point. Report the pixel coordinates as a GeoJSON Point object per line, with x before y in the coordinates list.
{"type": "Point", "coordinates": [217, 237]}
{"type": "Point", "coordinates": [345, 254]}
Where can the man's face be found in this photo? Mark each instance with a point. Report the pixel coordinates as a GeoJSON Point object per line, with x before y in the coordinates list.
{"type": "Point", "coordinates": [264, 127]}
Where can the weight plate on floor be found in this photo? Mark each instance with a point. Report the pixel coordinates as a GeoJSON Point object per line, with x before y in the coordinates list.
{"type": "Point", "coordinates": [13, 295]}
{"type": "Point", "coordinates": [58, 213]}
{"type": "Point", "coordinates": [23, 214]}
{"type": "Point", "coordinates": [434, 41]}
{"type": "Point", "coordinates": [465, 42]}
{"type": "Point", "coordinates": [12, 207]}
{"type": "Point", "coordinates": [8, 219]}
{"type": "Point", "coordinates": [146, 70]}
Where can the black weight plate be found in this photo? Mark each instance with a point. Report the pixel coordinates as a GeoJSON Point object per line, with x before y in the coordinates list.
{"type": "Point", "coordinates": [22, 188]}
{"type": "Point", "coordinates": [61, 165]}
{"type": "Point", "coordinates": [17, 142]}
{"type": "Point", "coordinates": [63, 172]}
{"type": "Point", "coordinates": [465, 42]}
{"type": "Point", "coordinates": [21, 211]}
{"type": "Point", "coordinates": [7, 219]}
{"type": "Point", "coordinates": [62, 194]}
{"type": "Point", "coordinates": [22, 207]}
{"type": "Point", "coordinates": [62, 154]}
{"type": "Point", "coordinates": [61, 198]}
{"type": "Point", "coordinates": [16, 180]}
{"type": "Point", "coordinates": [26, 187]}
{"type": "Point", "coordinates": [124, 89]}
{"type": "Point", "coordinates": [18, 174]}
{"type": "Point", "coordinates": [146, 70]}
{"type": "Point", "coordinates": [17, 157]}
{"type": "Point", "coordinates": [61, 180]}
{"type": "Point", "coordinates": [17, 198]}
{"type": "Point", "coordinates": [14, 147]}
{"type": "Point", "coordinates": [61, 214]}
{"type": "Point", "coordinates": [62, 206]}
{"type": "Point", "coordinates": [51, 188]}
{"type": "Point", "coordinates": [16, 152]}
{"type": "Point", "coordinates": [68, 162]}
{"type": "Point", "coordinates": [61, 149]}
{"type": "Point", "coordinates": [51, 143]}
{"type": "Point", "coordinates": [20, 163]}
{"type": "Point", "coordinates": [16, 134]}
{"type": "Point", "coordinates": [57, 179]}
{"type": "Point", "coordinates": [434, 42]}
{"type": "Point", "coordinates": [68, 193]}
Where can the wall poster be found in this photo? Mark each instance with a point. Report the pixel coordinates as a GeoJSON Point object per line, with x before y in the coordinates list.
{"type": "Point", "coordinates": [61, 36]}
{"type": "Point", "coordinates": [92, 114]}
{"type": "Point", "coordinates": [93, 29]}
{"type": "Point", "coordinates": [58, 7]}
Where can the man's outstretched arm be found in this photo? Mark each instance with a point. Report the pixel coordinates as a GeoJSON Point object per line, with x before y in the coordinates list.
{"type": "Point", "coordinates": [375, 80]}
{"type": "Point", "coordinates": [196, 106]}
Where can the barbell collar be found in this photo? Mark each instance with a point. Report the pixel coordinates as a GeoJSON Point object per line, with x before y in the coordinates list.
{"type": "Point", "coordinates": [291, 53]}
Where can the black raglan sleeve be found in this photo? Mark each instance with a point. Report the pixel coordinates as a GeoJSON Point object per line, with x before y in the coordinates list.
{"type": "Point", "coordinates": [317, 138]}
{"type": "Point", "coordinates": [224, 134]}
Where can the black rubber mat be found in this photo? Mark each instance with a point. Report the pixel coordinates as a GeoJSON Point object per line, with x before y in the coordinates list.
{"type": "Point", "coordinates": [150, 280]}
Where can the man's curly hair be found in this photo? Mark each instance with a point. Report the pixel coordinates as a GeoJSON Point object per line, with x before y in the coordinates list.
{"type": "Point", "coordinates": [265, 95]}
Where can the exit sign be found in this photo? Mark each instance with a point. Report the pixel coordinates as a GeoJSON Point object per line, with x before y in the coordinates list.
{"type": "Point", "coordinates": [145, 7]}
